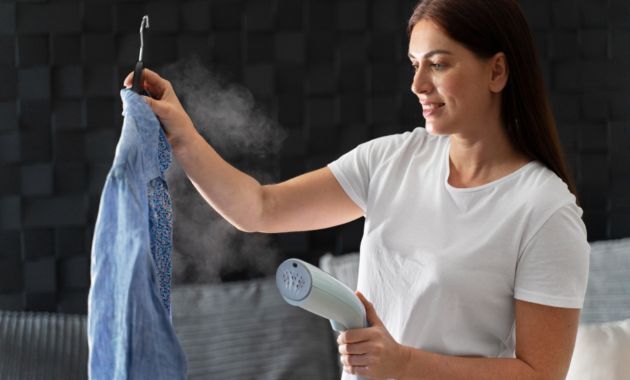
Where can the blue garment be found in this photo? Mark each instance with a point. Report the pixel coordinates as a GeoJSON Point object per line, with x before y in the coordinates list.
{"type": "Point", "coordinates": [130, 334]}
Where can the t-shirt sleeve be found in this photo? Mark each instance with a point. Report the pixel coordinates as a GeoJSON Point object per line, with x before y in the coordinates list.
{"type": "Point", "coordinates": [352, 171]}
{"type": "Point", "coordinates": [553, 268]}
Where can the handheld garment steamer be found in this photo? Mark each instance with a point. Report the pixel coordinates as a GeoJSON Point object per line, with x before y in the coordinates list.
{"type": "Point", "coordinates": [304, 285]}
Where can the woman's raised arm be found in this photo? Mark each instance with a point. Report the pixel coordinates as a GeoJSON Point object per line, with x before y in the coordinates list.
{"type": "Point", "coordinates": [314, 200]}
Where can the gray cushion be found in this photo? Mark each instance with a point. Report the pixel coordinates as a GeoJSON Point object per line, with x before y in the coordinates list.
{"type": "Point", "coordinates": [344, 268]}
{"type": "Point", "coordinates": [42, 346]}
{"type": "Point", "coordinates": [608, 291]}
{"type": "Point", "coordinates": [245, 330]}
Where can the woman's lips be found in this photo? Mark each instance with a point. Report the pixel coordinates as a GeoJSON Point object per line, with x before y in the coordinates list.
{"type": "Point", "coordinates": [432, 109]}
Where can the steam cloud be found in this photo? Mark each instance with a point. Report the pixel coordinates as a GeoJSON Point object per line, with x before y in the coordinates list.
{"type": "Point", "coordinates": [205, 246]}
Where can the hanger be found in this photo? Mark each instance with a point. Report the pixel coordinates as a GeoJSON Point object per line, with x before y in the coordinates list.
{"type": "Point", "coordinates": [137, 73]}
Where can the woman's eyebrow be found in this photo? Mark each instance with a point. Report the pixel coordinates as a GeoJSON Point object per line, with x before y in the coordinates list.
{"type": "Point", "coordinates": [431, 54]}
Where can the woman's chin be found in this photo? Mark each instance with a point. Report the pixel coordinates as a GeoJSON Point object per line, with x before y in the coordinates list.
{"type": "Point", "coordinates": [435, 129]}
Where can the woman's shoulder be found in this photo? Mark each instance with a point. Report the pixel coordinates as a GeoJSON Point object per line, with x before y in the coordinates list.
{"type": "Point", "coordinates": [544, 192]}
{"type": "Point", "coordinates": [408, 142]}
{"type": "Point", "coordinates": [544, 182]}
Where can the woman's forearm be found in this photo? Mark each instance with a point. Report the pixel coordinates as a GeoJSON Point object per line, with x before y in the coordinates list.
{"type": "Point", "coordinates": [236, 196]}
{"type": "Point", "coordinates": [427, 365]}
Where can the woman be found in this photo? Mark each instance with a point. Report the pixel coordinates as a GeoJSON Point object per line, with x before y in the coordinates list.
{"type": "Point", "coordinates": [474, 254]}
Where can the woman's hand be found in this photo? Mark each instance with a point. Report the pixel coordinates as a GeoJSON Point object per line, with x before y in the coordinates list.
{"type": "Point", "coordinates": [177, 124]}
{"type": "Point", "coordinates": [372, 352]}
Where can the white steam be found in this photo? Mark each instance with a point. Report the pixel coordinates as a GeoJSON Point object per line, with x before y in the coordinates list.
{"type": "Point", "coordinates": [206, 247]}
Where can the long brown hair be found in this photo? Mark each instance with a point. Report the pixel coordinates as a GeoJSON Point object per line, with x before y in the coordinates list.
{"type": "Point", "coordinates": [487, 27]}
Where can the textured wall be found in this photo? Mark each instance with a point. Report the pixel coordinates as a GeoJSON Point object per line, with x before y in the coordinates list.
{"type": "Point", "coordinates": [332, 73]}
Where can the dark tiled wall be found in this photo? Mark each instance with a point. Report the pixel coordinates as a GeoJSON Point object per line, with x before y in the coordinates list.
{"type": "Point", "coordinates": [333, 73]}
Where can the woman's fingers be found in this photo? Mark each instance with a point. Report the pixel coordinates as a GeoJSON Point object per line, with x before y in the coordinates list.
{"type": "Point", "coordinates": [150, 79]}
{"type": "Point", "coordinates": [355, 360]}
{"type": "Point", "coordinates": [128, 80]}
{"type": "Point", "coordinates": [161, 109]}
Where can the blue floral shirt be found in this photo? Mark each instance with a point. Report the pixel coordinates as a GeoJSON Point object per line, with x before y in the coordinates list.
{"type": "Point", "coordinates": [130, 334]}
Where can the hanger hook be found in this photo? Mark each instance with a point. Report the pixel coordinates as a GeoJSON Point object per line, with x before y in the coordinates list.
{"type": "Point", "coordinates": [143, 24]}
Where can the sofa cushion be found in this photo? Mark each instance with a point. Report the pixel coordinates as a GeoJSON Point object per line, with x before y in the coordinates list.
{"type": "Point", "coordinates": [43, 346]}
{"type": "Point", "coordinates": [245, 330]}
{"type": "Point", "coordinates": [344, 268]}
{"type": "Point", "coordinates": [608, 291]}
{"type": "Point", "coordinates": [602, 351]}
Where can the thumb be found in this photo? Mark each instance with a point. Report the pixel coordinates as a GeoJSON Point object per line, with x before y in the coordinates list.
{"type": "Point", "coordinates": [370, 312]}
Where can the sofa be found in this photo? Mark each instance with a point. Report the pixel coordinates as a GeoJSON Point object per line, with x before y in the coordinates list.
{"type": "Point", "coordinates": [244, 330]}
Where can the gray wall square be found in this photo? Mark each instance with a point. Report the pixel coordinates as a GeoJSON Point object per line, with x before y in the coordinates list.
{"type": "Point", "coordinates": [66, 49]}
{"type": "Point", "coordinates": [40, 276]}
{"type": "Point", "coordinates": [74, 272]}
{"type": "Point", "coordinates": [32, 18]}
{"type": "Point", "coordinates": [163, 16]}
{"type": "Point", "coordinates": [69, 210]}
{"type": "Point", "coordinates": [72, 302]}
{"type": "Point", "coordinates": [258, 15]}
{"type": "Point", "coordinates": [34, 83]}
{"type": "Point", "coordinates": [351, 14]}
{"type": "Point", "coordinates": [11, 278]}
{"type": "Point", "coordinates": [619, 13]}
{"type": "Point", "coordinates": [67, 114]}
{"type": "Point", "coordinates": [70, 177]}
{"type": "Point", "coordinates": [37, 179]}
{"type": "Point", "coordinates": [34, 115]}
{"type": "Point", "coordinates": [321, 79]}
{"type": "Point", "coordinates": [195, 16]}
{"type": "Point", "coordinates": [127, 16]}
{"type": "Point", "coordinates": [8, 78]}
{"type": "Point", "coordinates": [64, 17]}
{"type": "Point", "coordinates": [7, 18]}
{"type": "Point", "coordinates": [12, 301]}
{"type": "Point", "coordinates": [7, 47]}
{"type": "Point", "coordinates": [289, 47]}
{"type": "Point", "coordinates": [289, 14]}
{"type": "Point", "coordinates": [37, 243]}
{"type": "Point", "coordinates": [35, 146]}
{"type": "Point", "coordinates": [32, 50]}
{"type": "Point", "coordinates": [159, 49]}
{"type": "Point", "coordinates": [9, 179]}
{"type": "Point", "coordinates": [10, 244]}
{"type": "Point", "coordinates": [100, 145]}
{"type": "Point", "coordinates": [99, 48]}
{"type": "Point", "coordinates": [44, 302]}
{"type": "Point", "coordinates": [98, 18]}
{"type": "Point", "coordinates": [10, 213]}
{"type": "Point", "coordinates": [226, 15]}
{"type": "Point", "coordinates": [9, 147]}
{"type": "Point", "coordinates": [8, 116]}
{"type": "Point", "coordinates": [67, 81]}
{"type": "Point", "coordinates": [70, 241]}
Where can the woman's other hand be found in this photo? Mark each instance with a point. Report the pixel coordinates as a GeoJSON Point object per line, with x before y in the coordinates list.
{"type": "Point", "coordinates": [372, 352]}
{"type": "Point", "coordinates": [177, 124]}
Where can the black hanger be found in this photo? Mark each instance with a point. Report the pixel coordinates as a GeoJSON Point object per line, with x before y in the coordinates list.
{"type": "Point", "coordinates": [137, 73]}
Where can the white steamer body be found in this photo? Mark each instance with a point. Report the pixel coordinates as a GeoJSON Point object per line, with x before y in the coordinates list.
{"type": "Point", "coordinates": [304, 285]}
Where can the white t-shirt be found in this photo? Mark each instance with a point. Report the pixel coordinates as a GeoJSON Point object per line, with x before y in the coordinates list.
{"type": "Point", "coordinates": [443, 265]}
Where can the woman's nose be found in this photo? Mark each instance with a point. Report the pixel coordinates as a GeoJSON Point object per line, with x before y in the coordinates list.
{"type": "Point", "coordinates": [421, 83]}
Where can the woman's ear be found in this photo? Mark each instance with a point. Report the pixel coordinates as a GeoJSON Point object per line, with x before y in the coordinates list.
{"type": "Point", "coordinates": [499, 72]}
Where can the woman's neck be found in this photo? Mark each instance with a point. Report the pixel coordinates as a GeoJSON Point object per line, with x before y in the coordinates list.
{"type": "Point", "coordinates": [482, 157]}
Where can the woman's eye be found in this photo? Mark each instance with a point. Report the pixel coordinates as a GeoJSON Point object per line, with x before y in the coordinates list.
{"type": "Point", "coordinates": [438, 66]}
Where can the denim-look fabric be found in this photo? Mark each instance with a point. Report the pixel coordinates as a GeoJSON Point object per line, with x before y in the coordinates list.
{"type": "Point", "coordinates": [130, 334]}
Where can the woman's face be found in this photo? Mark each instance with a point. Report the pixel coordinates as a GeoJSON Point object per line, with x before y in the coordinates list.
{"type": "Point", "coordinates": [451, 82]}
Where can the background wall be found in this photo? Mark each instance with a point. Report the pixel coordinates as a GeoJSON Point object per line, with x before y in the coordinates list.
{"type": "Point", "coordinates": [328, 74]}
